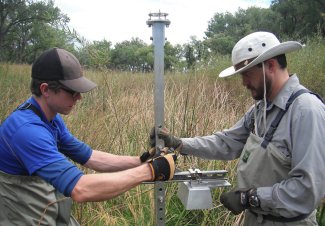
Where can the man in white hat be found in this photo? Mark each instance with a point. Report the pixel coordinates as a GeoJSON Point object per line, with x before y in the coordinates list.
{"type": "Point", "coordinates": [279, 141]}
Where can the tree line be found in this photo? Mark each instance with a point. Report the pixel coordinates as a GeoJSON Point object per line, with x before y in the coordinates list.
{"type": "Point", "coordinates": [28, 27]}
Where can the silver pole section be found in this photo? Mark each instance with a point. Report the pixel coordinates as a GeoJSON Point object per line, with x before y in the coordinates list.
{"type": "Point", "coordinates": [158, 22]}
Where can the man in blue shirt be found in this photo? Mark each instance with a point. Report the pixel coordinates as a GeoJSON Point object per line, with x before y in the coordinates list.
{"type": "Point", "coordinates": [35, 148]}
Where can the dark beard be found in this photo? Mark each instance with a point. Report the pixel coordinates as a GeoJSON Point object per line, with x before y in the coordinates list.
{"type": "Point", "coordinates": [260, 90]}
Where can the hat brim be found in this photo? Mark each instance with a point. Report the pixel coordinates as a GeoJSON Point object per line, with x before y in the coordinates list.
{"type": "Point", "coordinates": [80, 85]}
{"type": "Point", "coordinates": [282, 48]}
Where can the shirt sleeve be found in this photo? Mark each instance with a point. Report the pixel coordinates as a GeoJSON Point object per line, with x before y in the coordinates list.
{"type": "Point", "coordinates": [225, 145]}
{"type": "Point", "coordinates": [62, 174]}
{"type": "Point", "coordinates": [69, 145]}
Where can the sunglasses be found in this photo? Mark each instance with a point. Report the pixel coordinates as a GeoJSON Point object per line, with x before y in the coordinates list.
{"type": "Point", "coordinates": [73, 93]}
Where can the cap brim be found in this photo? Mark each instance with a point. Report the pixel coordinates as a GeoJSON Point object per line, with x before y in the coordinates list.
{"type": "Point", "coordinates": [80, 85]}
{"type": "Point", "coordinates": [282, 48]}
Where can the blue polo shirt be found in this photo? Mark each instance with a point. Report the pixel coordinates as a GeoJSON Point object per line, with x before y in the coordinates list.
{"type": "Point", "coordinates": [31, 145]}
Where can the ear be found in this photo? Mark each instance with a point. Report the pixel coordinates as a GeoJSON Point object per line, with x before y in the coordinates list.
{"type": "Point", "coordinates": [270, 65]}
{"type": "Point", "coordinates": [44, 87]}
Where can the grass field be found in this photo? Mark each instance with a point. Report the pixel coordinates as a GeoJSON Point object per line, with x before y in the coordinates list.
{"type": "Point", "coordinates": [117, 116]}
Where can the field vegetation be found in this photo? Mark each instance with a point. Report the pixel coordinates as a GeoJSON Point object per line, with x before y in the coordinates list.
{"type": "Point", "coordinates": [117, 116]}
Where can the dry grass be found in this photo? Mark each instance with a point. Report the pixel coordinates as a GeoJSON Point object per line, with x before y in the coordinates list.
{"type": "Point", "coordinates": [117, 116]}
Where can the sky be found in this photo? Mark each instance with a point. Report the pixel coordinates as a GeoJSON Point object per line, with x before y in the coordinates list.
{"type": "Point", "coordinates": [120, 20]}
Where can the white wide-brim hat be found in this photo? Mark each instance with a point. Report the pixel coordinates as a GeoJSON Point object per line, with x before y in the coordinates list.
{"type": "Point", "coordinates": [256, 48]}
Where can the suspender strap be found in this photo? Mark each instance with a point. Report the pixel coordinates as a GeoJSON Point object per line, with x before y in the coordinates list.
{"type": "Point", "coordinates": [23, 107]}
{"type": "Point", "coordinates": [274, 125]}
{"type": "Point", "coordinates": [31, 107]}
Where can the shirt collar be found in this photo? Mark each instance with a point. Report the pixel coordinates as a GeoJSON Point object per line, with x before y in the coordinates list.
{"type": "Point", "coordinates": [283, 96]}
{"type": "Point", "coordinates": [34, 102]}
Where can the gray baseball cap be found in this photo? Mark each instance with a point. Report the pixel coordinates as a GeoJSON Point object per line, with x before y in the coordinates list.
{"type": "Point", "coordinates": [256, 48]}
{"type": "Point", "coordinates": [60, 65]}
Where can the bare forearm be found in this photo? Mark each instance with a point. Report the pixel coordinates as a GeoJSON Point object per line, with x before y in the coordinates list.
{"type": "Point", "coordinates": [104, 186]}
{"type": "Point", "coordinates": [105, 162]}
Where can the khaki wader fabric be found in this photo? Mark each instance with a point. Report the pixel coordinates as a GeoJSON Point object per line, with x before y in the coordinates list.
{"type": "Point", "coordinates": [29, 200]}
{"type": "Point", "coordinates": [259, 167]}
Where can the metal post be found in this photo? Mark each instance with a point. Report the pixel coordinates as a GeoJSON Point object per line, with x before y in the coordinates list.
{"type": "Point", "coordinates": [158, 22]}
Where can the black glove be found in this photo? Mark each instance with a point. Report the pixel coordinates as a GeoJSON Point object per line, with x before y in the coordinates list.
{"type": "Point", "coordinates": [163, 133]}
{"type": "Point", "coordinates": [238, 200]}
{"type": "Point", "coordinates": [147, 154]}
{"type": "Point", "coordinates": [163, 167]}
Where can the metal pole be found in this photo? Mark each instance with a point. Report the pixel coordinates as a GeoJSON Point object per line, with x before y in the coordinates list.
{"type": "Point", "coordinates": [158, 22]}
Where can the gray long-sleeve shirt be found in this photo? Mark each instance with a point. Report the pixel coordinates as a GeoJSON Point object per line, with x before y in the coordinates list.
{"type": "Point", "coordinates": [300, 136]}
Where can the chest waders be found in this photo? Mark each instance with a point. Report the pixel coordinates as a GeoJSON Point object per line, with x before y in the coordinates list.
{"type": "Point", "coordinates": [29, 200]}
{"type": "Point", "coordinates": [261, 164]}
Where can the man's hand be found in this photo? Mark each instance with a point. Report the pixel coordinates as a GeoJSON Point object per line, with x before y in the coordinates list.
{"type": "Point", "coordinates": [147, 155]}
{"type": "Point", "coordinates": [163, 167]}
{"type": "Point", "coordinates": [163, 133]}
{"type": "Point", "coordinates": [238, 200]}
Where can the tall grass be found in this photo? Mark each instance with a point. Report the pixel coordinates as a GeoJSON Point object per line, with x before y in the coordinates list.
{"type": "Point", "coordinates": [309, 64]}
{"type": "Point", "coordinates": [117, 116]}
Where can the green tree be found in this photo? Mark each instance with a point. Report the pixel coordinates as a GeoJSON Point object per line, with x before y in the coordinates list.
{"type": "Point", "coordinates": [221, 23]}
{"type": "Point", "coordinates": [131, 55]}
{"type": "Point", "coordinates": [225, 29]}
{"type": "Point", "coordinates": [28, 27]}
{"type": "Point", "coordinates": [299, 18]}
{"type": "Point", "coordinates": [145, 58]}
{"type": "Point", "coordinates": [259, 19]}
{"type": "Point", "coordinates": [135, 55]}
{"type": "Point", "coordinates": [220, 44]}
{"type": "Point", "coordinates": [96, 54]}
{"type": "Point", "coordinates": [194, 52]}
{"type": "Point", "coordinates": [189, 55]}
{"type": "Point", "coordinates": [173, 56]}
